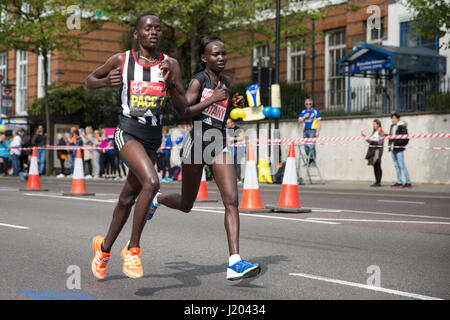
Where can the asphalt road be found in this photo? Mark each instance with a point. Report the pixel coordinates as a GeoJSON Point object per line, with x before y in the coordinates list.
{"type": "Point", "coordinates": [355, 244]}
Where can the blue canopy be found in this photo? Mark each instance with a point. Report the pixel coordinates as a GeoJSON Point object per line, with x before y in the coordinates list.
{"type": "Point", "coordinates": [372, 57]}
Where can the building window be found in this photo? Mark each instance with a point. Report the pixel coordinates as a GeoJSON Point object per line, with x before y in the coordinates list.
{"type": "Point", "coordinates": [335, 83]}
{"type": "Point", "coordinates": [260, 51]}
{"type": "Point", "coordinates": [21, 81]}
{"type": "Point", "coordinates": [4, 66]}
{"type": "Point", "coordinates": [296, 63]}
{"type": "Point", "coordinates": [409, 37]}
{"type": "Point", "coordinates": [41, 76]}
{"type": "Point", "coordinates": [374, 35]}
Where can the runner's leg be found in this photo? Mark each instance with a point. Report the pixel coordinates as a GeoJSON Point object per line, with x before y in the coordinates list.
{"type": "Point", "coordinates": [190, 182]}
{"type": "Point", "coordinates": [225, 176]}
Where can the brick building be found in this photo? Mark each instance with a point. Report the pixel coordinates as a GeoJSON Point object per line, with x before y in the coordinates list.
{"type": "Point", "coordinates": [342, 29]}
{"type": "Point", "coordinates": [24, 70]}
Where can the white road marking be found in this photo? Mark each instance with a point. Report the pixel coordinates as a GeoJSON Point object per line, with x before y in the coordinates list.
{"type": "Point", "coordinates": [385, 213]}
{"type": "Point", "coordinates": [263, 216]}
{"type": "Point", "coordinates": [386, 221]}
{"type": "Point", "coordinates": [13, 226]}
{"type": "Point", "coordinates": [7, 189]}
{"type": "Point", "coordinates": [394, 195]}
{"type": "Point", "coordinates": [364, 286]}
{"type": "Point", "coordinates": [67, 197]}
{"type": "Point", "coordinates": [399, 201]}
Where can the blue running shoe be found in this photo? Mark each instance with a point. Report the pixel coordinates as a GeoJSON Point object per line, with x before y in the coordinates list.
{"type": "Point", "coordinates": [242, 269]}
{"type": "Point", "coordinates": [153, 206]}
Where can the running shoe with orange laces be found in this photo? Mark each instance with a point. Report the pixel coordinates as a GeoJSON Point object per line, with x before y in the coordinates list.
{"type": "Point", "coordinates": [132, 266]}
{"type": "Point", "coordinates": [100, 262]}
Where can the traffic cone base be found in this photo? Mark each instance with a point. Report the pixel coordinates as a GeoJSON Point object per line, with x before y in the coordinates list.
{"type": "Point", "coordinates": [78, 185]}
{"type": "Point", "coordinates": [33, 183]}
{"type": "Point", "coordinates": [288, 209]}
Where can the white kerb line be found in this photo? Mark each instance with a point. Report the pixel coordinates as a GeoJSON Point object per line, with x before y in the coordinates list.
{"type": "Point", "coordinates": [381, 221]}
{"type": "Point", "coordinates": [364, 286]}
{"type": "Point", "coordinates": [14, 226]}
{"type": "Point", "coordinates": [399, 201]}
{"type": "Point", "coordinates": [71, 198]}
{"type": "Point", "coordinates": [263, 216]}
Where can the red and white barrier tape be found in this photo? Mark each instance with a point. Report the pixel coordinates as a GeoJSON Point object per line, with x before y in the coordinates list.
{"type": "Point", "coordinates": [286, 141]}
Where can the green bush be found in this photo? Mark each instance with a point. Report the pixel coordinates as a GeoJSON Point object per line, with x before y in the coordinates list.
{"type": "Point", "coordinates": [93, 107]}
{"type": "Point", "coordinates": [438, 102]}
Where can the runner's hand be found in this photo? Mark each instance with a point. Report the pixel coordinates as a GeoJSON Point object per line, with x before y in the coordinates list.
{"type": "Point", "coordinates": [238, 101]}
{"type": "Point", "coordinates": [220, 94]}
{"type": "Point", "coordinates": [114, 77]}
{"type": "Point", "coordinates": [169, 74]}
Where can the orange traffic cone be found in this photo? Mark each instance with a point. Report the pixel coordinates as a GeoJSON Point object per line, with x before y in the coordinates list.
{"type": "Point", "coordinates": [202, 195]}
{"type": "Point", "coordinates": [288, 201]}
{"type": "Point", "coordinates": [251, 198]}
{"type": "Point", "coordinates": [33, 183]}
{"type": "Point", "coordinates": [78, 186]}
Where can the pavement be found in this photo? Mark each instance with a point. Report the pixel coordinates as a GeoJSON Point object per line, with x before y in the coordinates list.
{"type": "Point", "coordinates": [358, 243]}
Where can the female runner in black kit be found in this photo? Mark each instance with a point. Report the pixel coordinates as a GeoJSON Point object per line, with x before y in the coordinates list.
{"type": "Point", "coordinates": [145, 77]}
{"type": "Point", "coordinates": [209, 107]}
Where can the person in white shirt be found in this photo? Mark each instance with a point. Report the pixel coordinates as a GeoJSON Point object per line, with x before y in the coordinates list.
{"type": "Point", "coordinates": [15, 152]}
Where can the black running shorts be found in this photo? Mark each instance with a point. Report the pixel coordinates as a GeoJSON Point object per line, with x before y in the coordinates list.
{"type": "Point", "coordinates": [131, 129]}
{"type": "Point", "coordinates": [198, 149]}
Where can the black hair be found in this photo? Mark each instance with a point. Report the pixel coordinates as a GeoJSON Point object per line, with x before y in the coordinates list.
{"type": "Point", "coordinates": [138, 20]}
{"type": "Point", "coordinates": [201, 50]}
{"type": "Point", "coordinates": [395, 115]}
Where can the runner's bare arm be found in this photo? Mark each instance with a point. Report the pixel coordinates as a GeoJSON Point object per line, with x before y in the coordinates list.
{"type": "Point", "coordinates": [192, 93]}
{"type": "Point", "coordinates": [172, 77]}
{"type": "Point", "coordinates": [107, 75]}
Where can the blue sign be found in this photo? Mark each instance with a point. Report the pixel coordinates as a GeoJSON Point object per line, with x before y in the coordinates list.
{"type": "Point", "coordinates": [369, 62]}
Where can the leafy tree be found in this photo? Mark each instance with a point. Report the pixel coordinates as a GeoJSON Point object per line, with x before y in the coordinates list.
{"type": "Point", "coordinates": [189, 20]}
{"type": "Point", "coordinates": [41, 27]}
{"type": "Point", "coordinates": [432, 17]}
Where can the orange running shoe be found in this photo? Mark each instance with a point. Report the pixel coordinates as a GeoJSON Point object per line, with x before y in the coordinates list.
{"type": "Point", "coordinates": [132, 266]}
{"type": "Point", "coordinates": [100, 262]}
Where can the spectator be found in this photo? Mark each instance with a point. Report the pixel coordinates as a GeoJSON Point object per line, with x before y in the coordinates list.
{"type": "Point", "coordinates": [119, 166]}
{"type": "Point", "coordinates": [111, 160]}
{"type": "Point", "coordinates": [397, 147]}
{"type": "Point", "coordinates": [61, 153]}
{"type": "Point", "coordinates": [15, 151]}
{"type": "Point", "coordinates": [23, 174]}
{"type": "Point", "coordinates": [26, 143]}
{"type": "Point", "coordinates": [78, 142]}
{"type": "Point", "coordinates": [166, 147]}
{"type": "Point", "coordinates": [311, 117]}
{"type": "Point", "coordinates": [96, 154]}
{"type": "Point", "coordinates": [235, 134]}
{"type": "Point", "coordinates": [4, 154]}
{"type": "Point", "coordinates": [104, 145]}
{"type": "Point", "coordinates": [38, 141]}
{"type": "Point", "coordinates": [88, 139]}
{"type": "Point", "coordinates": [375, 151]}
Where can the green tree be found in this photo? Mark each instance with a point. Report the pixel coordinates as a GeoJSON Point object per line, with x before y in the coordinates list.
{"type": "Point", "coordinates": [190, 20]}
{"type": "Point", "coordinates": [42, 27]}
{"type": "Point", "coordinates": [431, 18]}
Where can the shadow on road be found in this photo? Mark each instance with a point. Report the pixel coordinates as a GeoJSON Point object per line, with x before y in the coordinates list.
{"type": "Point", "coordinates": [188, 274]}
